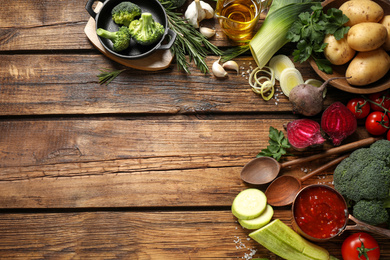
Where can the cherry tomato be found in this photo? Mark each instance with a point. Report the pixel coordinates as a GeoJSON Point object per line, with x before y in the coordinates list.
{"type": "Point", "coordinates": [378, 98]}
{"type": "Point", "coordinates": [360, 246]}
{"type": "Point", "coordinates": [373, 124]}
{"type": "Point", "coordinates": [359, 107]}
{"type": "Point", "coordinates": [388, 135]}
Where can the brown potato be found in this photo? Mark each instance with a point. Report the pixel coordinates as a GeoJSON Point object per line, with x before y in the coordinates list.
{"type": "Point", "coordinates": [366, 36]}
{"type": "Point", "coordinates": [386, 23]}
{"type": "Point", "coordinates": [360, 11]}
{"type": "Point", "coordinates": [338, 52]}
{"type": "Point", "coordinates": [368, 67]}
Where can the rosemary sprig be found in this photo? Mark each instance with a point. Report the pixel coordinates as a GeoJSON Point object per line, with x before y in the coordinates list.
{"type": "Point", "coordinates": [106, 76]}
{"type": "Point", "coordinates": [189, 41]}
{"type": "Point", "coordinates": [233, 52]}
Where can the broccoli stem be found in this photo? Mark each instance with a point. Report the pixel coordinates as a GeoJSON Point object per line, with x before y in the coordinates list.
{"type": "Point", "coordinates": [106, 34]}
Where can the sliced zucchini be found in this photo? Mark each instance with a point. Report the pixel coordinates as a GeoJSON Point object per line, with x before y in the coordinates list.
{"type": "Point", "coordinates": [249, 204]}
{"type": "Point", "coordinates": [260, 221]}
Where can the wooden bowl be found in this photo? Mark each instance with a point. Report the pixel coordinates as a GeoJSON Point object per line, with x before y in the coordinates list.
{"type": "Point", "coordinates": [339, 71]}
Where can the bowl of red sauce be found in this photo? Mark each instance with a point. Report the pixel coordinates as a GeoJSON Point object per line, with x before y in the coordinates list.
{"type": "Point", "coordinates": [319, 212]}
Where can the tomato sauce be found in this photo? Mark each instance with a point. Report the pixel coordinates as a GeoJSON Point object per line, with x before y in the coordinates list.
{"type": "Point", "coordinates": [320, 212]}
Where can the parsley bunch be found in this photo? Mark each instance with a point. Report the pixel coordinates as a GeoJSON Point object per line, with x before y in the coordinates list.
{"type": "Point", "coordinates": [277, 145]}
{"type": "Point", "coordinates": [310, 30]}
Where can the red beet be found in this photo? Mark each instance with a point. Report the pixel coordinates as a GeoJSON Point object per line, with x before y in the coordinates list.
{"type": "Point", "coordinates": [338, 122]}
{"type": "Point", "coordinates": [303, 133]}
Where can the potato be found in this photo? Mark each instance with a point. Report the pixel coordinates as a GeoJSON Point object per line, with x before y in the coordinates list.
{"type": "Point", "coordinates": [386, 23]}
{"type": "Point", "coordinates": [368, 67]}
{"type": "Point", "coordinates": [338, 52]}
{"type": "Point", "coordinates": [366, 36]}
{"type": "Point", "coordinates": [360, 11]}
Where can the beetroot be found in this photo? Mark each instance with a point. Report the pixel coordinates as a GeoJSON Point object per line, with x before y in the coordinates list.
{"type": "Point", "coordinates": [303, 133]}
{"type": "Point", "coordinates": [307, 99]}
{"type": "Point", "coordinates": [338, 122]}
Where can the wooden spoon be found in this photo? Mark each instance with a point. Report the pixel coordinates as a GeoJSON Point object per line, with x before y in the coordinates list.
{"type": "Point", "coordinates": [283, 190]}
{"type": "Point", "coordinates": [263, 170]}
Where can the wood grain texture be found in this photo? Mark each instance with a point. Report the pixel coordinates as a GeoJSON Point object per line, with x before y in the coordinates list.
{"type": "Point", "coordinates": [68, 84]}
{"type": "Point", "coordinates": [136, 235]}
{"type": "Point", "coordinates": [96, 163]}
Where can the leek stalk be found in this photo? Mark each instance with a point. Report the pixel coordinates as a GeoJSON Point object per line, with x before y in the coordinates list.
{"type": "Point", "coordinates": [272, 34]}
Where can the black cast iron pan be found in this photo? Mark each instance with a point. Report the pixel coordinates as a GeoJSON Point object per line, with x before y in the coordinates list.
{"type": "Point", "coordinates": [104, 20]}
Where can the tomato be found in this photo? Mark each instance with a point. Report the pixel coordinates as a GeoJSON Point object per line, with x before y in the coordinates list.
{"type": "Point", "coordinates": [359, 107]}
{"type": "Point", "coordinates": [378, 98]}
{"type": "Point", "coordinates": [360, 246]}
{"type": "Point", "coordinates": [388, 135]}
{"type": "Point", "coordinates": [373, 124]}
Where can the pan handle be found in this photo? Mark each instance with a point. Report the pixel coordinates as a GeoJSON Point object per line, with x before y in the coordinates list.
{"type": "Point", "coordinates": [359, 225]}
{"type": "Point", "coordinates": [89, 9]}
{"type": "Point", "coordinates": [171, 40]}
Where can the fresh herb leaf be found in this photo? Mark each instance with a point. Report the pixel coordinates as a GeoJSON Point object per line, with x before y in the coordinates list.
{"type": "Point", "coordinates": [106, 76]}
{"type": "Point", "coordinates": [189, 41]}
{"type": "Point", "coordinates": [310, 30]}
{"type": "Point", "coordinates": [277, 145]}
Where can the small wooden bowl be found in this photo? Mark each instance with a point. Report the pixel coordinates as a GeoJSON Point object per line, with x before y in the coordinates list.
{"type": "Point", "coordinates": [339, 71]}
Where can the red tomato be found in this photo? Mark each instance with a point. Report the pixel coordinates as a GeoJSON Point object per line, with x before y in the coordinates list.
{"type": "Point", "coordinates": [388, 135]}
{"type": "Point", "coordinates": [382, 98]}
{"type": "Point", "coordinates": [373, 123]}
{"type": "Point", "coordinates": [360, 246]}
{"type": "Point", "coordinates": [359, 107]}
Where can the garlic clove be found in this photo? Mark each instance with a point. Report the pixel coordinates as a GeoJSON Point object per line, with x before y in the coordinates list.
{"type": "Point", "coordinates": [209, 11]}
{"type": "Point", "coordinates": [232, 65]}
{"type": "Point", "coordinates": [218, 70]}
{"type": "Point", "coordinates": [207, 32]}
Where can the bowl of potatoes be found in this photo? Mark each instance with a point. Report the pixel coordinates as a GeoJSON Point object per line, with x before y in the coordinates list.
{"type": "Point", "coordinates": [363, 55]}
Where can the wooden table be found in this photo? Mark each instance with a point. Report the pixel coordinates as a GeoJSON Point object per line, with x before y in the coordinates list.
{"type": "Point", "coordinates": [144, 168]}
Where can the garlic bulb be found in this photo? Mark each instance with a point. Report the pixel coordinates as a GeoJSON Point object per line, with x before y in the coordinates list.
{"type": "Point", "coordinates": [198, 11]}
{"type": "Point", "coordinates": [218, 70]}
{"type": "Point", "coordinates": [232, 65]}
{"type": "Point", "coordinates": [207, 32]}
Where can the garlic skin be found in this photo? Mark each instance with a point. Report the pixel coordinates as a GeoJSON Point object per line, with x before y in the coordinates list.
{"type": "Point", "coordinates": [218, 70]}
{"type": "Point", "coordinates": [231, 65]}
{"type": "Point", "coordinates": [208, 10]}
{"type": "Point", "coordinates": [207, 32]}
{"type": "Point", "coordinates": [198, 11]}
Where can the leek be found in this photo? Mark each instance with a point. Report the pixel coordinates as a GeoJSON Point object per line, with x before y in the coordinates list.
{"type": "Point", "coordinates": [272, 34]}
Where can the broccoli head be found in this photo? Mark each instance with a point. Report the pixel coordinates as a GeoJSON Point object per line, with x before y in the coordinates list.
{"type": "Point", "coordinates": [125, 12]}
{"type": "Point", "coordinates": [146, 31]}
{"type": "Point", "coordinates": [364, 180]}
{"type": "Point", "coordinates": [371, 211]}
{"type": "Point", "coordinates": [362, 176]}
{"type": "Point", "coordinates": [120, 38]}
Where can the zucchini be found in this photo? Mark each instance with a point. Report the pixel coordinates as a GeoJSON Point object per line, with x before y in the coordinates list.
{"type": "Point", "coordinates": [280, 239]}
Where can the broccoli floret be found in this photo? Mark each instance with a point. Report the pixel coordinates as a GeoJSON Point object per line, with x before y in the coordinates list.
{"type": "Point", "coordinates": [381, 149]}
{"type": "Point", "coordinates": [362, 176]}
{"type": "Point", "coordinates": [120, 38]}
{"type": "Point", "coordinates": [125, 12]}
{"type": "Point", "coordinates": [146, 31]}
{"type": "Point", "coordinates": [371, 211]}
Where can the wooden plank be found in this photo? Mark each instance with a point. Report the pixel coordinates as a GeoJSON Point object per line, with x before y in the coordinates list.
{"type": "Point", "coordinates": [96, 163]}
{"type": "Point", "coordinates": [138, 235]}
{"type": "Point", "coordinates": [48, 84]}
